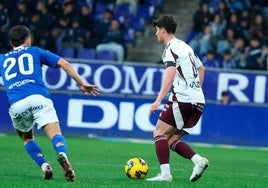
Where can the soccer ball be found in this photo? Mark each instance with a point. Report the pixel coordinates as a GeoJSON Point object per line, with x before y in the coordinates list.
{"type": "Point", "coordinates": [136, 168]}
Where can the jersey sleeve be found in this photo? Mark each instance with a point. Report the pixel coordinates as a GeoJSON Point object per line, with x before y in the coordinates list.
{"type": "Point", "coordinates": [169, 58]}
{"type": "Point", "coordinates": [198, 62]}
{"type": "Point", "coordinates": [48, 58]}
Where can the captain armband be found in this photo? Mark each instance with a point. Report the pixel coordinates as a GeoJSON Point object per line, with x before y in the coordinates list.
{"type": "Point", "coordinates": [170, 64]}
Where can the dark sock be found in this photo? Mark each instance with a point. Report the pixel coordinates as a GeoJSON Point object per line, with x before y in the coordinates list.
{"type": "Point", "coordinates": [162, 150]}
{"type": "Point", "coordinates": [182, 149]}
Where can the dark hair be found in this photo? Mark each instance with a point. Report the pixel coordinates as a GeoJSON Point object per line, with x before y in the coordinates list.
{"type": "Point", "coordinates": [167, 22]}
{"type": "Point", "coordinates": [18, 34]}
{"type": "Point", "coordinates": [224, 93]}
{"type": "Point", "coordinates": [227, 52]}
{"type": "Point", "coordinates": [108, 11]}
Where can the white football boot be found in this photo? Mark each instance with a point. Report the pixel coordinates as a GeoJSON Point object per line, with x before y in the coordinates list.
{"type": "Point", "coordinates": [161, 177]}
{"type": "Point", "coordinates": [198, 169]}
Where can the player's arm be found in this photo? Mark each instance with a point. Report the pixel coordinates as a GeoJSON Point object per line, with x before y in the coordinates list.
{"type": "Point", "coordinates": [165, 88]}
{"type": "Point", "coordinates": [85, 87]}
{"type": "Point", "coordinates": [200, 69]}
{"type": "Point", "coordinates": [201, 73]}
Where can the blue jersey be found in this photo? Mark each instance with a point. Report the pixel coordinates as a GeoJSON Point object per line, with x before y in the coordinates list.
{"type": "Point", "coordinates": [21, 70]}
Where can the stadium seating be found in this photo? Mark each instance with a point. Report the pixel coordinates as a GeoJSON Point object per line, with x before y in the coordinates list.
{"type": "Point", "coordinates": [129, 35]}
{"type": "Point", "coordinates": [145, 11]}
{"type": "Point", "coordinates": [58, 41]}
{"type": "Point", "coordinates": [106, 55]}
{"type": "Point", "coordinates": [137, 23]}
{"type": "Point", "coordinates": [86, 53]}
{"type": "Point", "coordinates": [100, 7]}
{"type": "Point", "coordinates": [67, 52]}
{"type": "Point", "coordinates": [154, 3]}
{"type": "Point", "coordinates": [191, 35]}
{"type": "Point", "coordinates": [123, 12]}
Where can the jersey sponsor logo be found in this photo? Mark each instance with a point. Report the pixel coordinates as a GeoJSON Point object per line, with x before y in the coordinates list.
{"type": "Point", "coordinates": [21, 83]}
{"type": "Point", "coordinates": [29, 110]}
{"type": "Point", "coordinates": [194, 84]}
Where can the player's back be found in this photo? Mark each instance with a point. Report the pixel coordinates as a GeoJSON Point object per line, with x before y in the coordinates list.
{"type": "Point", "coordinates": [22, 74]}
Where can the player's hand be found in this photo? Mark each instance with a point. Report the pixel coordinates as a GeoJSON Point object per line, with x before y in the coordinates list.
{"type": "Point", "coordinates": [90, 89]}
{"type": "Point", "coordinates": [154, 106]}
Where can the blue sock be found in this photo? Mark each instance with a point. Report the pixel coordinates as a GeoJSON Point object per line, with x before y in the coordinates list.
{"type": "Point", "coordinates": [59, 144]}
{"type": "Point", "coordinates": [35, 152]}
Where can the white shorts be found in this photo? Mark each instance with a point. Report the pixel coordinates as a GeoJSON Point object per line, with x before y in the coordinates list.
{"type": "Point", "coordinates": [30, 110]}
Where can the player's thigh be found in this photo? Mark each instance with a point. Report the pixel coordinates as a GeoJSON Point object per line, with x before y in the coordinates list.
{"type": "Point", "coordinates": [193, 115]}
{"type": "Point", "coordinates": [44, 112]}
{"type": "Point", "coordinates": [186, 115]}
{"type": "Point", "coordinates": [163, 128]}
{"type": "Point", "coordinates": [21, 116]}
{"type": "Point", "coordinates": [166, 124]}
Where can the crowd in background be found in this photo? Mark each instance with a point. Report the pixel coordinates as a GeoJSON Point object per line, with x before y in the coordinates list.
{"type": "Point", "coordinates": [231, 34]}
{"type": "Point", "coordinates": [58, 23]}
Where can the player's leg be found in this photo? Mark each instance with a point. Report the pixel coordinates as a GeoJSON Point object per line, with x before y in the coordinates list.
{"type": "Point", "coordinates": [184, 150]}
{"type": "Point", "coordinates": [180, 147]}
{"type": "Point", "coordinates": [190, 115]}
{"type": "Point", "coordinates": [53, 132]}
{"type": "Point", "coordinates": [35, 152]}
{"type": "Point", "coordinates": [47, 119]}
{"type": "Point", "coordinates": [200, 163]}
{"type": "Point", "coordinates": [164, 128]}
{"type": "Point", "coordinates": [161, 135]}
{"type": "Point", "coordinates": [23, 122]}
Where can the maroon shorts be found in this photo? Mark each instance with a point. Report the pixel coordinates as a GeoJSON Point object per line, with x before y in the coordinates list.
{"type": "Point", "coordinates": [181, 115]}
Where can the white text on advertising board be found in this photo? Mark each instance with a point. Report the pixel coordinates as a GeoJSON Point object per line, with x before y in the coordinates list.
{"type": "Point", "coordinates": [125, 115]}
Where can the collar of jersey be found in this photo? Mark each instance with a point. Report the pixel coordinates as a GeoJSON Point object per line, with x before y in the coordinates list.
{"type": "Point", "coordinates": [16, 48]}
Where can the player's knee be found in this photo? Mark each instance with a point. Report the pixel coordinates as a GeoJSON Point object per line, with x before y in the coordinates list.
{"type": "Point", "coordinates": [158, 133]}
{"type": "Point", "coordinates": [26, 137]}
{"type": "Point", "coordinates": [171, 141]}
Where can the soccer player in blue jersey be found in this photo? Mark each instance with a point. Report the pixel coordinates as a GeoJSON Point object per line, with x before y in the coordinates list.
{"type": "Point", "coordinates": [29, 98]}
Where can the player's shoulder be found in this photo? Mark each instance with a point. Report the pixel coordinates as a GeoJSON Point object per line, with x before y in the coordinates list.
{"type": "Point", "coordinates": [40, 51]}
{"type": "Point", "coordinates": [34, 48]}
{"type": "Point", "coordinates": [3, 56]}
{"type": "Point", "coordinates": [26, 49]}
{"type": "Point", "coordinates": [176, 43]}
{"type": "Point", "coordinates": [173, 41]}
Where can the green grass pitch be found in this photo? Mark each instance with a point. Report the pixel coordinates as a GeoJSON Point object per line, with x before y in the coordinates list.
{"type": "Point", "coordinates": [100, 163]}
